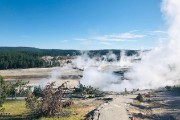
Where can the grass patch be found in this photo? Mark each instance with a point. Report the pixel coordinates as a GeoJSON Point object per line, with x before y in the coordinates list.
{"type": "Point", "coordinates": [18, 111]}
{"type": "Point", "coordinates": [77, 111]}
{"type": "Point", "coordinates": [76, 114]}
{"type": "Point", "coordinates": [15, 107]}
{"type": "Point", "coordinates": [15, 110]}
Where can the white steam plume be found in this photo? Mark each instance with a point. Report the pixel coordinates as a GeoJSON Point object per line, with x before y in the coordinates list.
{"type": "Point", "coordinates": [55, 74]}
{"type": "Point", "coordinates": [100, 74]}
{"type": "Point", "coordinates": [104, 80]}
{"type": "Point", "coordinates": [159, 67]}
{"type": "Point", "coordinates": [162, 65]}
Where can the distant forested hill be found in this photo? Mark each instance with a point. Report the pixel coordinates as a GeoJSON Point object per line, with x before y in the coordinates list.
{"type": "Point", "coordinates": [13, 60]}
{"type": "Point", "coordinates": [59, 52]}
{"type": "Point", "coordinates": [41, 52]}
{"type": "Point", "coordinates": [28, 57]}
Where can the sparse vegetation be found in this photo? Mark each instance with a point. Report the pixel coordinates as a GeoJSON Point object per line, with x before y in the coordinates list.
{"type": "Point", "coordinates": [17, 88]}
{"type": "Point", "coordinates": [3, 93]}
{"type": "Point", "coordinates": [9, 89]}
{"type": "Point", "coordinates": [88, 91]}
{"type": "Point", "coordinates": [168, 88]}
{"type": "Point", "coordinates": [77, 112]}
{"type": "Point", "coordinates": [175, 88]}
{"type": "Point", "coordinates": [49, 104]}
{"type": "Point", "coordinates": [38, 92]}
{"type": "Point", "coordinates": [140, 98]}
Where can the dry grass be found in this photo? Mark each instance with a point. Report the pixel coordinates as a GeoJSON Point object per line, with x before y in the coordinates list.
{"type": "Point", "coordinates": [25, 76]}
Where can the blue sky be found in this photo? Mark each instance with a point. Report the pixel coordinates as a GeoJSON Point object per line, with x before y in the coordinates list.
{"type": "Point", "coordinates": [82, 24]}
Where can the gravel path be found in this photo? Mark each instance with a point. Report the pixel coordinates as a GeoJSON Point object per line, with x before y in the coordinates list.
{"type": "Point", "coordinates": [114, 110]}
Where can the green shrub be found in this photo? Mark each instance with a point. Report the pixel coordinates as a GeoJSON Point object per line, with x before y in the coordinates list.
{"type": "Point", "coordinates": [3, 93]}
{"type": "Point", "coordinates": [38, 92]}
{"type": "Point", "coordinates": [140, 98]}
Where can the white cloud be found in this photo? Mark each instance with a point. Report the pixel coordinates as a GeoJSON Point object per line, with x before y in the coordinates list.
{"type": "Point", "coordinates": [127, 36]}
{"type": "Point", "coordinates": [64, 41]}
{"type": "Point", "coordinates": [105, 43]}
{"type": "Point", "coordinates": [159, 31]}
{"type": "Point", "coordinates": [114, 37]}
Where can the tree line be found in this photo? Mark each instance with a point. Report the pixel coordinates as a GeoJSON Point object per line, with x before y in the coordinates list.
{"type": "Point", "coordinates": [27, 57]}
{"type": "Point", "coordinates": [14, 60]}
{"type": "Point", "coordinates": [41, 52]}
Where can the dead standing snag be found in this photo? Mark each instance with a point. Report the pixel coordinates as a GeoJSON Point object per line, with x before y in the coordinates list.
{"type": "Point", "coordinates": [50, 104]}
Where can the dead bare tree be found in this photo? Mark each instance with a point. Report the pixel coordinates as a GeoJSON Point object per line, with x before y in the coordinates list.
{"type": "Point", "coordinates": [51, 102]}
